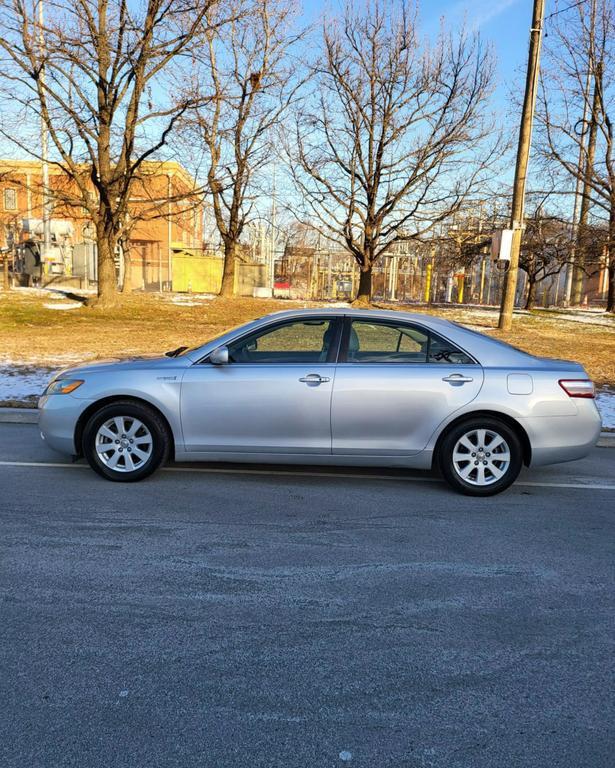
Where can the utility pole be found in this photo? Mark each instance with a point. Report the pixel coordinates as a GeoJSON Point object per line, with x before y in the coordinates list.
{"type": "Point", "coordinates": [44, 143]}
{"type": "Point", "coordinates": [580, 166]}
{"type": "Point", "coordinates": [393, 277]}
{"type": "Point", "coordinates": [523, 154]}
{"type": "Point", "coordinates": [428, 275]}
{"type": "Point", "coordinates": [273, 236]}
{"type": "Point", "coordinates": [264, 248]}
{"type": "Point", "coordinates": [577, 280]}
{"type": "Point", "coordinates": [586, 159]}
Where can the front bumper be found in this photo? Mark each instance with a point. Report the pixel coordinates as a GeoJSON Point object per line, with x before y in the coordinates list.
{"type": "Point", "coordinates": [57, 419]}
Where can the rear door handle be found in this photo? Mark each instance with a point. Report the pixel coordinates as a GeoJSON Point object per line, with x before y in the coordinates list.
{"type": "Point", "coordinates": [457, 378]}
{"type": "Point", "coordinates": [314, 378]}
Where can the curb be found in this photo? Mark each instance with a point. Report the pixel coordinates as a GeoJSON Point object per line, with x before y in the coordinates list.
{"type": "Point", "coordinates": [19, 415]}
{"type": "Point", "coordinates": [30, 416]}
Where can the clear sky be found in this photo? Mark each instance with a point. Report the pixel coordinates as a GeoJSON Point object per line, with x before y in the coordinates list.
{"type": "Point", "coordinates": [504, 23]}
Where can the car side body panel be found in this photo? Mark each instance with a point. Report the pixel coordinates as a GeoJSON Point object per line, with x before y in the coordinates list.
{"type": "Point", "coordinates": [392, 409]}
{"type": "Point", "coordinates": [257, 408]}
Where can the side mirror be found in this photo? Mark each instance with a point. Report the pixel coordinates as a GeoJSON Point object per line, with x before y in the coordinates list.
{"type": "Point", "coordinates": [219, 356]}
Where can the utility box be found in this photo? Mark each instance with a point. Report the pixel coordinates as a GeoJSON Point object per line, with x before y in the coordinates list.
{"type": "Point", "coordinates": [501, 245]}
{"type": "Point", "coordinates": [84, 261]}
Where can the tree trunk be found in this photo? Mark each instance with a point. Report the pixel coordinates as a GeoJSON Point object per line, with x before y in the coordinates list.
{"type": "Point", "coordinates": [577, 278]}
{"type": "Point", "coordinates": [364, 294]}
{"type": "Point", "coordinates": [127, 281]}
{"type": "Point", "coordinates": [610, 264]}
{"type": "Point", "coordinates": [531, 293]}
{"type": "Point", "coordinates": [106, 243]}
{"type": "Point", "coordinates": [227, 289]}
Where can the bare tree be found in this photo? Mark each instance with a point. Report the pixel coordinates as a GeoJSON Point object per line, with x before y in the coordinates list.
{"type": "Point", "coordinates": [464, 237]}
{"type": "Point", "coordinates": [243, 82]}
{"type": "Point", "coordinates": [545, 249]}
{"type": "Point", "coordinates": [93, 74]}
{"type": "Point", "coordinates": [390, 140]}
{"type": "Point", "coordinates": [581, 47]}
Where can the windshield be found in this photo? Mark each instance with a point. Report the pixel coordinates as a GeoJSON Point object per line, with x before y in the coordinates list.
{"type": "Point", "coordinates": [181, 351]}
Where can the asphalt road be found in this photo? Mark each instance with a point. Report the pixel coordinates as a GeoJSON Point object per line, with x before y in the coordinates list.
{"type": "Point", "coordinates": [273, 617]}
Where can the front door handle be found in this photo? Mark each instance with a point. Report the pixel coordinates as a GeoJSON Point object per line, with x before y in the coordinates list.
{"type": "Point", "coordinates": [314, 378]}
{"type": "Point", "coordinates": [457, 378]}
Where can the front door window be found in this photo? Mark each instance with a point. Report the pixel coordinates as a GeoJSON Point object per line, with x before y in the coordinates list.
{"type": "Point", "coordinates": [304, 341]}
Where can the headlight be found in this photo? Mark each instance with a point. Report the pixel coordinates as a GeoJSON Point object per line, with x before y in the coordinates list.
{"type": "Point", "coordinates": [63, 386]}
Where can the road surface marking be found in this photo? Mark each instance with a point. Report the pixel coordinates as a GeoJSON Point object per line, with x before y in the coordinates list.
{"type": "Point", "coordinates": [289, 473]}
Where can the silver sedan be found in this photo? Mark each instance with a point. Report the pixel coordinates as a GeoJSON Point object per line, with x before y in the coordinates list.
{"type": "Point", "coordinates": [344, 387]}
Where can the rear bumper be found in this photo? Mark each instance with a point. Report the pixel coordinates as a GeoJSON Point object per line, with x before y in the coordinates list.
{"type": "Point", "coordinates": [563, 438]}
{"type": "Point", "coordinates": [57, 419]}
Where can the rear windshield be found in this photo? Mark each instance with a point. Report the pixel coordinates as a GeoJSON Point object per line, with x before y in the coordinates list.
{"type": "Point", "coordinates": [491, 339]}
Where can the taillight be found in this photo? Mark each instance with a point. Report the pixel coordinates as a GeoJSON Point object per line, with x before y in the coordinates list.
{"type": "Point", "coordinates": [578, 387]}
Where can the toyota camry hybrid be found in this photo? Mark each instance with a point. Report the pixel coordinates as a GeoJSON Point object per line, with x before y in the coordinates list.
{"type": "Point", "coordinates": [330, 386]}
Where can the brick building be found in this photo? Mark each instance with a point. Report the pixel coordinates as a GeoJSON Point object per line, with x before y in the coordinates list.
{"type": "Point", "coordinates": [165, 221]}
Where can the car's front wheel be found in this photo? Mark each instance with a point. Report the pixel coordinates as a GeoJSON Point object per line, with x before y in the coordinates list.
{"type": "Point", "coordinates": [481, 457]}
{"type": "Point", "coordinates": [125, 441]}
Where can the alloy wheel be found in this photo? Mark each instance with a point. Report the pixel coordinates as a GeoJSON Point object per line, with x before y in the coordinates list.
{"type": "Point", "coordinates": [124, 443]}
{"type": "Point", "coordinates": [481, 457]}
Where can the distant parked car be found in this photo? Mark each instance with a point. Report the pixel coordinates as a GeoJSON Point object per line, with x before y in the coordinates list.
{"type": "Point", "coordinates": [346, 387]}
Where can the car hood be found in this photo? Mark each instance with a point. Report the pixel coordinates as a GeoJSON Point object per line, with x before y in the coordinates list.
{"type": "Point", "coordinates": [119, 364]}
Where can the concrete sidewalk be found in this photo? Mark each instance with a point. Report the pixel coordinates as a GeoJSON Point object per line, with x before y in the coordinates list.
{"type": "Point", "coordinates": [30, 416]}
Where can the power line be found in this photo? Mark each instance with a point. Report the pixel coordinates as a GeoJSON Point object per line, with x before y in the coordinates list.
{"type": "Point", "coordinates": [563, 10]}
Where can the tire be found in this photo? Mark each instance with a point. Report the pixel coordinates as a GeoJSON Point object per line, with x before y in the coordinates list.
{"type": "Point", "coordinates": [137, 439]}
{"type": "Point", "coordinates": [484, 472]}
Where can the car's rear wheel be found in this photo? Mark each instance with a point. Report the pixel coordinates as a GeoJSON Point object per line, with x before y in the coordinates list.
{"type": "Point", "coordinates": [481, 457]}
{"type": "Point", "coordinates": [125, 441]}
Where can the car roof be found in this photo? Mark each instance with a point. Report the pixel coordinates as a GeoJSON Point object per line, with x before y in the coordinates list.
{"type": "Point", "coordinates": [385, 314]}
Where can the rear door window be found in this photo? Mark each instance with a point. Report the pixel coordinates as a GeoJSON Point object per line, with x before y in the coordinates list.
{"type": "Point", "coordinates": [443, 351]}
{"type": "Point", "coordinates": [373, 341]}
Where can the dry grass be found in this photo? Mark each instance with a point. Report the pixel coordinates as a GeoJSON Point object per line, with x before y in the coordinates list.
{"type": "Point", "coordinates": [30, 333]}
{"type": "Point", "coordinates": [141, 324]}
{"type": "Point", "coordinates": [593, 346]}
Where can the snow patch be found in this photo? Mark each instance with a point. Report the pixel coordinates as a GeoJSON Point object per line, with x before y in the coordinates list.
{"type": "Point", "coordinates": [473, 312]}
{"type": "Point", "coordinates": [605, 401]}
{"type": "Point", "coordinates": [588, 316]}
{"type": "Point", "coordinates": [189, 299]}
{"type": "Point", "coordinates": [44, 361]}
{"type": "Point", "coordinates": [23, 385]}
{"type": "Point", "coordinates": [63, 304]}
